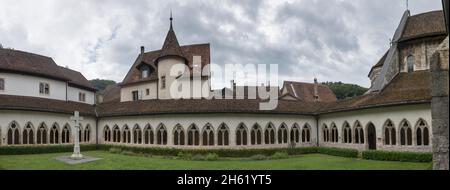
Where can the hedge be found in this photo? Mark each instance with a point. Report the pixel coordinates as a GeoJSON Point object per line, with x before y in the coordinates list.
{"type": "Point", "coordinates": [44, 149]}
{"type": "Point", "coordinates": [397, 156]}
{"type": "Point", "coordinates": [342, 152]}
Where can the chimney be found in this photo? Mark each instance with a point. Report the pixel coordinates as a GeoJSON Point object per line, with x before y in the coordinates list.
{"type": "Point", "coordinates": [316, 90]}
{"type": "Point", "coordinates": [142, 49]}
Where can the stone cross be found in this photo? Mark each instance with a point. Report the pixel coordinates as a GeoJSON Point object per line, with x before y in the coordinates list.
{"type": "Point", "coordinates": [76, 149]}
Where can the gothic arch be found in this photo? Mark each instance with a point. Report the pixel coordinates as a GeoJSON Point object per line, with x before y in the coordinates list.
{"type": "Point", "coordinates": [87, 133]}
{"type": "Point", "coordinates": [116, 134]}
{"type": "Point", "coordinates": [282, 134]}
{"type": "Point", "coordinates": [65, 134]}
{"type": "Point", "coordinates": [54, 134]}
{"type": "Point", "coordinates": [358, 132]}
{"type": "Point", "coordinates": [28, 134]}
{"type": "Point", "coordinates": [256, 134]}
{"type": "Point", "coordinates": [325, 133]}
{"type": "Point", "coordinates": [41, 134]}
{"type": "Point", "coordinates": [389, 133]}
{"type": "Point", "coordinates": [405, 133]}
{"type": "Point", "coordinates": [223, 133]}
{"type": "Point", "coordinates": [178, 135]}
{"type": "Point", "coordinates": [346, 132]}
{"type": "Point", "coordinates": [208, 135]}
{"type": "Point", "coordinates": [334, 133]}
{"type": "Point", "coordinates": [241, 134]}
{"type": "Point", "coordinates": [193, 135]}
{"type": "Point", "coordinates": [137, 134]}
{"type": "Point", "coordinates": [306, 133]}
{"type": "Point", "coordinates": [295, 133]}
{"type": "Point", "coordinates": [161, 134]}
{"type": "Point", "coordinates": [148, 134]}
{"type": "Point", "coordinates": [106, 134]}
{"type": "Point", "coordinates": [80, 133]}
{"type": "Point", "coordinates": [13, 134]}
{"type": "Point", "coordinates": [269, 133]}
{"type": "Point", "coordinates": [422, 133]}
{"type": "Point", "coordinates": [126, 134]}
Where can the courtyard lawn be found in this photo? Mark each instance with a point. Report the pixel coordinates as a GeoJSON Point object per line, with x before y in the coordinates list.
{"type": "Point", "coordinates": [111, 161]}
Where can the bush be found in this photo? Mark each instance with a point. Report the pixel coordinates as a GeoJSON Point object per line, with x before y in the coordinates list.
{"type": "Point", "coordinates": [43, 149]}
{"type": "Point", "coordinates": [115, 150]}
{"type": "Point", "coordinates": [186, 156]}
{"type": "Point", "coordinates": [343, 152]}
{"type": "Point", "coordinates": [397, 156]}
{"type": "Point", "coordinates": [211, 157]}
{"type": "Point", "coordinates": [198, 157]}
{"type": "Point", "coordinates": [258, 157]}
{"type": "Point", "coordinates": [129, 153]}
{"type": "Point", "coordinates": [280, 155]}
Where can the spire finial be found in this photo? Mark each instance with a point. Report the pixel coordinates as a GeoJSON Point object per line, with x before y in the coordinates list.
{"type": "Point", "coordinates": [407, 4]}
{"type": "Point", "coordinates": [171, 18]}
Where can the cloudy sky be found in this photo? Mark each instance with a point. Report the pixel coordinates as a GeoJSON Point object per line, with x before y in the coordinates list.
{"type": "Point", "coordinates": [333, 40]}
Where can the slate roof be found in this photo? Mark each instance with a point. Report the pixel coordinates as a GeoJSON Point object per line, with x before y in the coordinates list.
{"type": "Point", "coordinates": [424, 25]}
{"type": "Point", "coordinates": [305, 91]}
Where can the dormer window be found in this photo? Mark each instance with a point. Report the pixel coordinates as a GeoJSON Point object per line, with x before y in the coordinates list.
{"type": "Point", "coordinates": [144, 70]}
{"type": "Point", "coordinates": [410, 63]}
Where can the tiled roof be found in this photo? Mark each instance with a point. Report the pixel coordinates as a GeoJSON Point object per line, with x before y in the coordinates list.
{"type": "Point", "coordinates": [43, 104]}
{"type": "Point", "coordinates": [111, 93]}
{"type": "Point", "coordinates": [305, 91]}
{"type": "Point", "coordinates": [380, 62]}
{"type": "Point", "coordinates": [171, 47]}
{"type": "Point", "coordinates": [423, 25]}
{"type": "Point", "coordinates": [77, 79]}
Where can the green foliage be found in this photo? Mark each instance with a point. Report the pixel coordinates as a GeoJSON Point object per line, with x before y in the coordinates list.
{"type": "Point", "coordinates": [343, 91]}
{"type": "Point", "coordinates": [20, 150]}
{"type": "Point", "coordinates": [211, 157]}
{"type": "Point", "coordinates": [280, 155]}
{"type": "Point", "coordinates": [397, 156]}
{"type": "Point", "coordinates": [198, 157]}
{"type": "Point", "coordinates": [101, 84]}
{"type": "Point", "coordinates": [115, 150]}
{"type": "Point", "coordinates": [343, 152]}
{"type": "Point", "coordinates": [258, 157]}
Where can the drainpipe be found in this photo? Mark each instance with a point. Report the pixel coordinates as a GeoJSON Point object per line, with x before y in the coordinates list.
{"type": "Point", "coordinates": [317, 130]}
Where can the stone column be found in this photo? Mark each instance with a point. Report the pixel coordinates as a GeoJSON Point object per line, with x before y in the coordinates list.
{"type": "Point", "coordinates": [439, 106]}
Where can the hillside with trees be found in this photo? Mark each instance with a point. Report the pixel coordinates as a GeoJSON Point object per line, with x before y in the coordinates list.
{"type": "Point", "coordinates": [343, 90]}
{"type": "Point", "coordinates": [101, 84]}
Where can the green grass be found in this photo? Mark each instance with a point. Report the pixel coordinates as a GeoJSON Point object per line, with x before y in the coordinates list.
{"type": "Point", "coordinates": [111, 161]}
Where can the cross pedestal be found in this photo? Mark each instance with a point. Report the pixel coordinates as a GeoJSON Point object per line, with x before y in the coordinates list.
{"type": "Point", "coordinates": [76, 149]}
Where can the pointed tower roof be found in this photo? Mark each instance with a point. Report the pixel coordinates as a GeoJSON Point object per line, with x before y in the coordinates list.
{"type": "Point", "coordinates": [171, 47]}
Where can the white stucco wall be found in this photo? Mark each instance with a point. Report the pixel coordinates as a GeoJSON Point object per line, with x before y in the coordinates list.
{"type": "Point", "coordinates": [72, 95]}
{"type": "Point", "coordinates": [378, 117]}
{"type": "Point", "coordinates": [36, 118]}
{"type": "Point", "coordinates": [26, 85]}
{"type": "Point", "coordinates": [232, 121]}
{"type": "Point", "coordinates": [126, 92]}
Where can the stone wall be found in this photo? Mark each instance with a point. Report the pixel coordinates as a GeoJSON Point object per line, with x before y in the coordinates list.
{"type": "Point", "coordinates": [439, 106]}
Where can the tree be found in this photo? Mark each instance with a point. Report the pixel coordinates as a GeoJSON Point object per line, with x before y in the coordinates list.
{"type": "Point", "coordinates": [343, 91]}
{"type": "Point", "coordinates": [101, 84]}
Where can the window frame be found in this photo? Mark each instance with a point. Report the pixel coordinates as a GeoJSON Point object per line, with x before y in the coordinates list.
{"type": "Point", "coordinates": [163, 82]}
{"type": "Point", "coordinates": [2, 84]}
{"type": "Point", "coordinates": [135, 95]}
{"type": "Point", "coordinates": [44, 88]}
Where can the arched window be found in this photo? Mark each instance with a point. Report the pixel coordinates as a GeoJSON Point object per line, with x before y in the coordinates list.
{"type": "Point", "coordinates": [54, 134]}
{"type": "Point", "coordinates": [306, 133]}
{"type": "Point", "coordinates": [65, 135]}
{"type": "Point", "coordinates": [116, 134]}
{"type": "Point", "coordinates": [107, 134]}
{"type": "Point", "coordinates": [148, 135]}
{"type": "Point", "coordinates": [422, 134]}
{"type": "Point", "coordinates": [178, 135]}
{"type": "Point", "coordinates": [137, 135]}
{"type": "Point", "coordinates": [325, 133]}
{"type": "Point", "coordinates": [347, 131]}
{"type": "Point", "coordinates": [208, 135]}
{"type": "Point", "coordinates": [359, 133]}
{"type": "Point", "coordinates": [405, 133]}
{"type": "Point", "coordinates": [161, 135]}
{"type": "Point", "coordinates": [410, 62]}
{"type": "Point", "coordinates": [269, 134]}
{"type": "Point", "coordinates": [80, 133]}
{"type": "Point", "coordinates": [256, 135]}
{"type": "Point", "coordinates": [389, 133]}
{"type": "Point", "coordinates": [28, 135]}
{"type": "Point", "coordinates": [13, 133]}
{"type": "Point", "coordinates": [282, 134]}
{"type": "Point", "coordinates": [241, 135]}
{"type": "Point", "coordinates": [87, 133]}
{"type": "Point", "coordinates": [126, 134]}
{"type": "Point", "coordinates": [41, 136]}
{"type": "Point", "coordinates": [193, 135]}
{"type": "Point", "coordinates": [334, 133]}
{"type": "Point", "coordinates": [295, 133]}
{"type": "Point", "coordinates": [222, 135]}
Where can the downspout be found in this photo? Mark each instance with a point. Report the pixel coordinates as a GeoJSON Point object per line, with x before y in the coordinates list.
{"type": "Point", "coordinates": [317, 130]}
